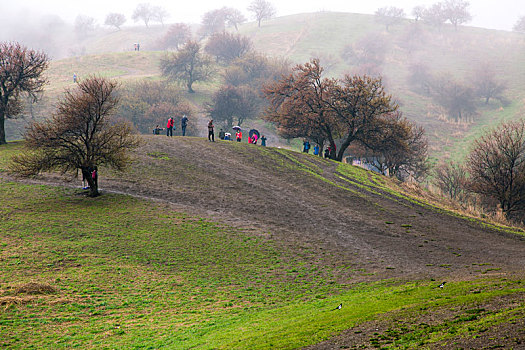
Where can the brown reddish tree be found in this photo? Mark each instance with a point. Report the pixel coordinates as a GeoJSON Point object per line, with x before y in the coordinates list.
{"type": "Point", "coordinates": [298, 105]}
{"type": "Point", "coordinates": [496, 166]}
{"type": "Point", "coordinates": [79, 136]}
{"type": "Point", "coordinates": [358, 102]}
{"type": "Point", "coordinates": [21, 71]}
{"type": "Point", "coordinates": [400, 146]}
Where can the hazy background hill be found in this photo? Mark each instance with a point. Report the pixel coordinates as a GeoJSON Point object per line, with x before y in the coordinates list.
{"type": "Point", "coordinates": [334, 38]}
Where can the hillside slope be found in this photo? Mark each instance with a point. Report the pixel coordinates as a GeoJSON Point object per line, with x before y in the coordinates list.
{"type": "Point", "coordinates": [235, 246]}
{"type": "Point", "coordinates": [335, 211]}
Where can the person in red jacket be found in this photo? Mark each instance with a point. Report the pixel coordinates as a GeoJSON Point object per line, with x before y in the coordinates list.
{"type": "Point", "coordinates": [169, 127]}
{"type": "Point", "coordinates": [238, 135]}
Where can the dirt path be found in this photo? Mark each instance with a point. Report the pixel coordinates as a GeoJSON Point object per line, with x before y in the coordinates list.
{"type": "Point", "coordinates": [309, 206]}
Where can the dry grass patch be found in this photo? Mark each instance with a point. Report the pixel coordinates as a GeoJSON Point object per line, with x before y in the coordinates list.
{"type": "Point", "coordinates": [35, 288]}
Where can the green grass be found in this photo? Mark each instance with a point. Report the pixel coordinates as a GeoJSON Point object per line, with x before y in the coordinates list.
{"type": "Point", "coordinates": [130, 273]}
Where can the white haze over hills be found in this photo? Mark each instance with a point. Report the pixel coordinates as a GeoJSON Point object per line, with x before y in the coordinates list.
{"type": "Point", "coordinates": [500, 14]}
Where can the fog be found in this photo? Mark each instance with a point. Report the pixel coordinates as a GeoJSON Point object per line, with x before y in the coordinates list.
{"type": "Point", "coordinates": [501, 14]}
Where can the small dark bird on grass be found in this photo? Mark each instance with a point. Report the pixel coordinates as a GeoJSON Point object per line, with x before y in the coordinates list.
{"type": "Point", "coordinates": [339, 307]}
{"type": "Point", "coordinates": [442, 285]}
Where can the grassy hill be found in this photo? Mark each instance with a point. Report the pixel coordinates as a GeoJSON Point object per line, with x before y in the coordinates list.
{"type": "Point", "coordinates": [325, 35]}
{"type": "Point", "coordinates": [234, 246]}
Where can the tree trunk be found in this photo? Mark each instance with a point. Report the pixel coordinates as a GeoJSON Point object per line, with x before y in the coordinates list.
{"type": "Point", "coordinates": [190, 89]}
{"type": "Point", "coordinates": [91, 180]}
{"type": "Point", "coordinates": [2, 129]}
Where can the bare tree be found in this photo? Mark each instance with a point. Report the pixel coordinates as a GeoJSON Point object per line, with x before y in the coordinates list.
{"type": "Point", "coordinates": [454, 96]}
{"type": "Point", "coordinates": [84, 25]}
{"type": "Point", "coordinates": [233, 105]}
{"type": "Point", "coordinates": [234, 17]}
{"type": "Point", "coordinates": [457, 12]}
{"type": "Point", "coordinates": [435, 16]}
{"type": "Point", "coordinates": [178, 34]}
{"type": "Point", "coordinates": [389, 16]}
{"type": "Point", "coordinates": [21, 71]}
{"type": "Point", "coordinates": [451, 179]}
{"type": "Point", "coordinates": [143, 12]}
{"type": "Point", "coordinates": [400, 146]}
{"type": "Point", "coordinates": [418, 12]}
{"type": "Point", "coordinates": [115, 20]}
{"type": "Point", "coordinates": [262, 10]}
{"type": "Point", "coordinates": [213, 21]}
{"type": "Point", "coordinates": [159, 14]}
{"type": "Point", "coordinates": [487, 85]}
{"type": "Point", "coordinates": [497, 166]}
{"type": "Point", "coordinates": [227, 46]}
{"type": "Point", "coordinates": [519, 26]}
{"type": "Point", "coordinates": [79, 136]}
{"type": "Point", "coordinates": [187, 66]}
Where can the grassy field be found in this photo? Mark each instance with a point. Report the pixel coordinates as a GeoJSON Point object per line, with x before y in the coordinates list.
{"type": "Point", "coordinates": [127, 273]}
{"type": "Point", "coordinates": [121, 272]}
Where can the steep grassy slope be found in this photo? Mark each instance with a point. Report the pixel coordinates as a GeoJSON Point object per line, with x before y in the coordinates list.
{"type": "Point", "coordinates": [228, 245]}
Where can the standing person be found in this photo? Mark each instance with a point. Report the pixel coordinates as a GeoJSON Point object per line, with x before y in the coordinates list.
{"type": "Point", "coordinates": [254, 139]}
{"type": "Point", "coordinates": [316, 150]}
{"type": "Point", "coordinates": [169, 127]}
{"type": "Point", "coordinates": [211, 135]}
{"type": "Point", "coordinates": [238, 135]}
{"type": "Point", "coordinates": [263, 141]}
{"type": "Point", "coordinates": [327, 152]}
{"type": "Point", "coordinates": [183, 124]}
{"type": "Point", "coordinates": [306, 146]}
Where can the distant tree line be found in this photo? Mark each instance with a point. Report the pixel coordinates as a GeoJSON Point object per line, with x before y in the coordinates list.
{"type": "Point", "coordinates": [455, 12]}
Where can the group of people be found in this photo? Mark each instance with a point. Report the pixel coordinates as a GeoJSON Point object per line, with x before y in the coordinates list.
{"type": "Point", "coordinates": [170, 126]}
{"type": "Point", "coordinates": [306, 149]}
{"type": "Point", "coordinates": [253, 138]}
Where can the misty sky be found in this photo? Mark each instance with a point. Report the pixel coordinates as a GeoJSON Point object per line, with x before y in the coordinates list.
{"type": "Point", "coordinates": [494, 14]}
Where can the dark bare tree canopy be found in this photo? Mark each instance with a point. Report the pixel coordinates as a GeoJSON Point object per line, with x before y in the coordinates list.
{"type": "Point", "coordinates": [233, 105]}
{"type": "Point", "coordinates": [227, 46]}
{"type": "Point", "coordinates": [496, 166]}
{"type": "Point", "coordinates": [21, 72]}
{"type": "Point", "coordinates": [115, 20]}
{"type": "Point", "coordinates": [261, 10]}
{"type": "Point", "coordinates": [187, 66]}
{"type": "Point", "coordinates": [80, 136]}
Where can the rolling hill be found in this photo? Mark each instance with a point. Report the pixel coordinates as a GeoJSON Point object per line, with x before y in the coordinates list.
{"type": "Point", "coordinates": [325, 35]}
{"type": "Point", "coordinates": [230, 245]}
